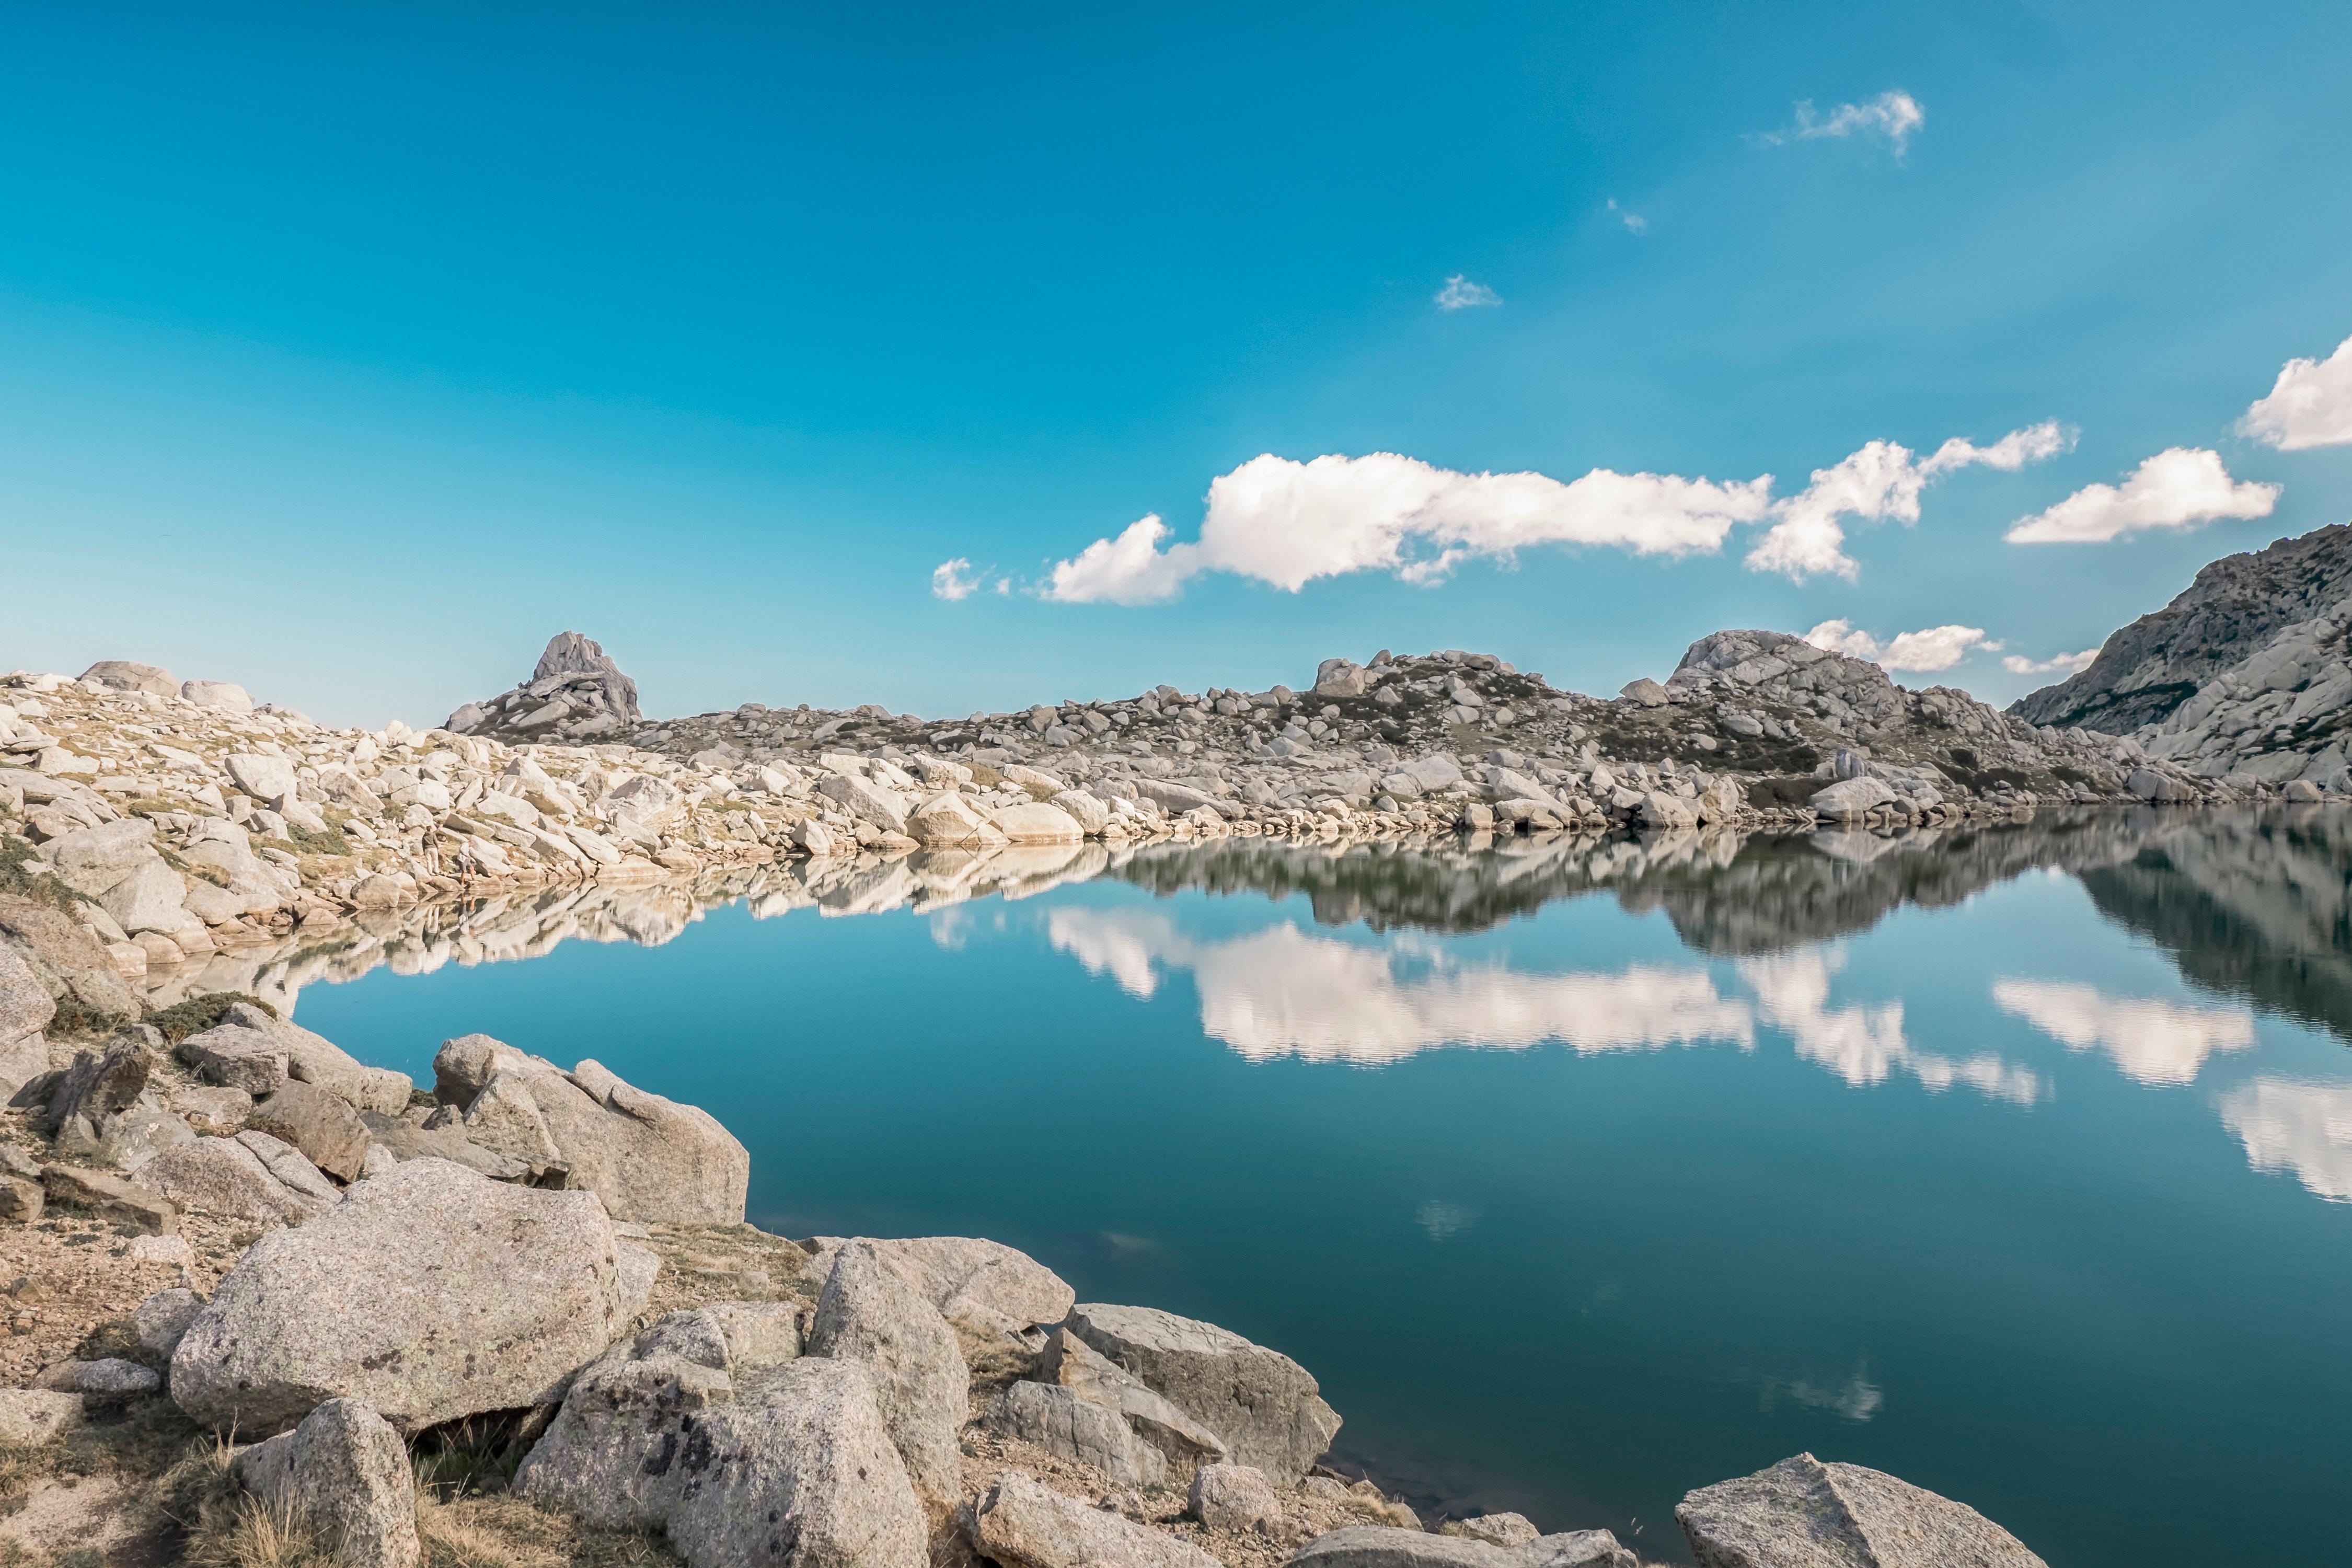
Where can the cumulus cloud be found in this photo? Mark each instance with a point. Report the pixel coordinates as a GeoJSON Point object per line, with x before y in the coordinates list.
{"type": "Point", "coordinates": [2310, 404]}
{"type": "Point", "coordinates": [2071, 663]}
{"type": "Point", "coordinates": [954, 580]}
{"type": "Point", "coordinates": [1286, 522]}
{"type": "Point", "coordinates": [1893, 116]}
{"type": "Point", "coordinates": [1634, 221]}
{"type": "Point", "coordinates": [2180, 486]}
{"type": "Point", "coordinates": [1936, 647]}
{"type": "Point", "coordinates": [1881, 481]}
{"type": "Point", "coordinates": [2306, 1128]}
{"type": "Point", "coordinates": [1863, 1045]}
{"type": "Point", "coordinates": [1461, 294]}
{"type": "Point", "coordinates": [2151, 1041]}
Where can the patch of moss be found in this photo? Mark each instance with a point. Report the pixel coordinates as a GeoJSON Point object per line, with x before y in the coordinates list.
{"type": "Point", "coordinates": [197, 1014]}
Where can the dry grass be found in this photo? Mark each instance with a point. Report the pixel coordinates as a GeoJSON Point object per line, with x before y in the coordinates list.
{"type": "Point", "coordinates": [248, 1533]}
{"type": "Point", "coordinates": [508, 1532]}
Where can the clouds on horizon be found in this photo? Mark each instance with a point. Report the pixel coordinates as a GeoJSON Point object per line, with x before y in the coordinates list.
{"type": "Point", "coordinates": [2309, 405]}
{"type": "Point", "coordinates": [1893, 117]}
{"type": "Point", "coordinates": [2071, 663]}
{"type": "Point", "coordinates": [1936, 647]}
{"type": "Point", "coordinates": [2180, 486]}
{"type": "Point", "coordinates": [1286, 522]}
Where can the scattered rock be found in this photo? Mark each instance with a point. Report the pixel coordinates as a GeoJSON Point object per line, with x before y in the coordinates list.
{"type": "Point", "coordinates": [230, 1177]}
{"type": "Point", "coordinates": [1262, 1404]}
{"type": "Point", "coordinates": [983, 1286]}
{"type": "Point", "coordinates": [31, 1417]}
{"type": "Point", "coordinates": [619, 1451]}
{"type": "Point", "coordinates": [1183, 1442]}
{"type": "Point", "coordinates": [1803, 1513]}
{"type": "Point", "coordinates": [1058, 1421]}
{"type": "Point", "coordinates": [1232, 1496]}
{"type": "Point", "coordinates": [163, 1319]}
{"type": "Point", "coordinates": [345, 1474]}
{"type": "Point", "coordinates": [1383, 1546]}
{"type": "Point", "coordinates": [1494, 1529]}
{"type": "Point", "coordinates": [110, 1198]}
{"type": "Point", "coordinates": [868, 1313]}
{"type": "Point", "coordinates": [324, 1126]}
{"type": "Point", "coordinates": [1018, 1523]}
{"type": "Point", "coordinates": [798, 1473]}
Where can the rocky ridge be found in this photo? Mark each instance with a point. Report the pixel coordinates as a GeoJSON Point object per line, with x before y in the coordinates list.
{"type": "Point", "coordinates": [2244, 678]}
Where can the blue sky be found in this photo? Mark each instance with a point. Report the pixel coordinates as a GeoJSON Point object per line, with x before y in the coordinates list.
{"type": "Point", "coordinates": [351, 356]}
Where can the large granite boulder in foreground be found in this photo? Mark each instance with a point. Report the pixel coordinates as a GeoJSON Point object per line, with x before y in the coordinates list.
{"type": "Point", "coordinates": [430, 1292]}
{"type": "Point", "coordinates": [1265, 1406]}
{"type": "Point", "coordinates": [1803, 1513]}
{"type": "Point", "coordinates": [652, 1160]}
{"type": "Point", "coordinates": [869, 1314]}
{"type": "Point", "coordinates": [984, 1287]}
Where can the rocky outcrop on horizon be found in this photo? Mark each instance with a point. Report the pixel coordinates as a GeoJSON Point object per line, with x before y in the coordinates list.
{"type": "Point", "coordinates": [575, 695]}
{"type": "Point", "coordinates": [2245, 677]}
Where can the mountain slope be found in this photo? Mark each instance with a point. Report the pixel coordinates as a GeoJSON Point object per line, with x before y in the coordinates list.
{"type": "Point", "coordinates": [2244, 674]}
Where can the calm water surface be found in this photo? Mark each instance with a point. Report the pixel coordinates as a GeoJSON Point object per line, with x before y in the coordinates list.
{"type": "Point", "coordinates": [2017, 1161]}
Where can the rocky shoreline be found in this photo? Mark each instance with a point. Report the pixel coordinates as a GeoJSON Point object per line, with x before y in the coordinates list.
{"type": "Point", "coordinates": [172, 821]}
{"type": "Point", "coordinates": [523, 1305]}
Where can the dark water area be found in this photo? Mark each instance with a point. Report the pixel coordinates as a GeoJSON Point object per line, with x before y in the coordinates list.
{"type": "Point", "coordinates": [2016, 1159]}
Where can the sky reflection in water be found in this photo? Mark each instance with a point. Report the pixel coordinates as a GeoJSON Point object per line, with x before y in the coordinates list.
{"type": "Point", "coordinates": [2017, 1161]}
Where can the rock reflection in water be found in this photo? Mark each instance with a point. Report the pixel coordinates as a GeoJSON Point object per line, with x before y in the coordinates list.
{"type": "Point", "coordinates": [2253, 905]}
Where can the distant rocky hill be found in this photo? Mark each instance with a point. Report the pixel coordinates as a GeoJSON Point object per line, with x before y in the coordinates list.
{"type": "Point", "coordinates": [2244, 676]}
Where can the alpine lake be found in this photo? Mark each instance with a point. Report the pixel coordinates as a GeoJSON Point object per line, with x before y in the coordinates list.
{"type": "Point", "coordinates": [2015, 1160]}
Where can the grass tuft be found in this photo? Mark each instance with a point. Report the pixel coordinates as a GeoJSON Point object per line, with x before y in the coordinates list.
{"type": "Point", "coordinates": [197, 1014]}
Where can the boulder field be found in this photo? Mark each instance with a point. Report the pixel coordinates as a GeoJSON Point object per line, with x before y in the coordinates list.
{"type": "Point", "coordinates": [531, 1248]}
{"type": "Point", "coordinates": [169, 821]}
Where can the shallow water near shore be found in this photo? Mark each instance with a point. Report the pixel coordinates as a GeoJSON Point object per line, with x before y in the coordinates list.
{"type": "Point", "coordinates": [2016, 1161]}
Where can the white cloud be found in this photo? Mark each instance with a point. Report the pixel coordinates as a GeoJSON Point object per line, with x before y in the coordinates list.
{"type": "Point", "coordinates": [1892, 115]}
{"type": "Point", "coordinates": [2310, 404]}
{"type": "Point", "coordinates": [1881, 481]}
{"type": "Point", "coordinates": [1936, 647]}
{"type": "Point", "coordinates": [1286, 522]}
{"type": "Point", "coordinates": [954, 580]}
{"type": "Point", "coordinates": [1634, 221]}
{"type": "Point", "coordinates": [1282, 991]}
{"type": "Point", "coordinates": [2151, 1041]}
{"type": "Point", "coordinates": [2071, 663]}
{"type": "Point", "coordinates": [2306, 1128]}
{"type": "Point", "coordinates": [1460, 293]}
{"type": "Point", "coordinates": [1864, 1044]}
{"type": "Point", "coordinates": [2179, 488]}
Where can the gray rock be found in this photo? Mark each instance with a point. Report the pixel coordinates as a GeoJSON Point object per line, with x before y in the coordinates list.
{"type": "Point", "coordinates": [865, 802]}
{"type": "Point", "coordinates": [238, 1053]}
{"type": "Point", "coordinates": [1339, 678]}
{"type": "Point", "coordinates": [868, 1313]}
{"type": "Point", "coordinates": [98, 1087]}
{"type": "Point", "coordinates": [1494, 1529]}
{"type": "Point", "coordinates": [1386, 1546]}
{"type": "Point", "coordinates": [1265, 1405]}
{"type": "Point", "coordinates": [109, 1198]}
{"type": "Point", "coordinates": [31, 1417]}
{"type": "Point", "coordinates": [430, 1292]}
{"type": "Point", "coordinates": [163, 1319]}
{"type": "Point", "coordinates": [26, 1009]}
{"type": "Point", "coordinates": [803, 1477]}
{"type": "Point", "coordinates": [223, 694]}
{"type": "Point", "coordinates": [1644, 691]}
{"type": "Point", "coordinates": [324, 1126]}
{"type": "Point", "coordinates": [983, 1286]}
{"type": "Point", "coordinates": [1660, 809]}
{"type": "Point", "coordinates": [1072, 1364]}
{"type": "Point", "coordinates": [124, 676]}
{"type": "Point", "coordinates": [760, 1335]}
{"type": "Point", "coordinates": [620, 1450]}
{"type": "Point", "coordinates": [1018, 1523]}
{"type": "Point", "coordinates": [93, 860]}
{"type": "Point", "coordinates": [216, 1112]}
{"type": "Point", "coordinates": [1058, 1421]}
{"type": "Point", "coordinates": [1849, 798]}
{"type": "Point", "coordinates": [225, 1177]}
{"type": "Point", "coordinates": [651, 1160]}
{"type": "Point", "coordinates": [344, 1474]}
{"type": "Point", "coordinates": [114, 1379]}
{"type": "Point", "coordinates": [1232, 1496]}
{"type": "Point", "coordinates": [151, 897]}
{"type": "Point", "coordinates": [1803, 1513]}
{"type": "Point", "coordinates": [265, 778]}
